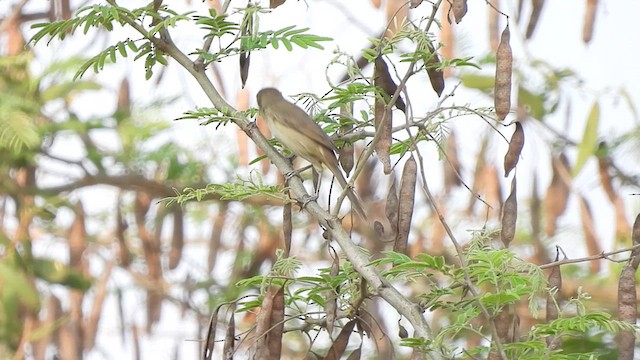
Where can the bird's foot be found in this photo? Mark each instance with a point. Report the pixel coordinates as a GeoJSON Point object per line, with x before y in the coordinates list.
{"type": "Point", "coordinates": [307, 199]}
{"type": "Point", "coordinates": [290, 174]}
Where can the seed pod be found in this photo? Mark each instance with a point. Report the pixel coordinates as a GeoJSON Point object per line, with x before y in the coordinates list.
{"type": "Point", "coordinates": [356, 354]}
{"type": "Point", "coordinates": [276, 328]}
{"type": "Point", "coordinates": [340, 344]}
{"type": "Point", "coordinates": [215, 240]}
{"type": "Point", "coordinates": [346, 158]}
{"type": "Point", "coordinates": [396, 13]}
{"type": "Point", "coordinates": [604, 163]}
{"type": "Point", "coordinates": [494, 17]}
{"type": "Point", "coordinates": [557, 196]}
{"type": "Point", "coordinates": [379, 229]}
{"type": "Point", "coordinates": [553, 301]}
{"type": "Point", "coordinates": [590, 236]}
{"type": "Point", "coordinates": [635, 240]}
{"type": "Point", "coordinates": [391, 207]}
{"type": "Point", "coordinates": [245, 57]}
{"type": "Point", "coordinates": [452, 165]}
{"type": "Point", "coordinates": [346, 153]}
{"type": "Point", "coordinates": [502, 321]}
{"type": "Point", "coordinates": [402, 332]}
{"type": "Point", "coordinates": [242, 140]}
{"type": "Point", "coordinates": [509, 216]}
{"type": "Point", "coordinates": [535, 16]}
{"type": "Point", "coordinates": [589, 20]}
{"type": "Point", "coordinates": [123, 253]}
{"type": "Point", "coordinates": [382, 79]}
{"type": "Point", "coordinates": [415, 4]}
{"type": "Point", "coordinates": [287, 227]}
{"type": "Point", "coordinates": [446, 38]}
{"type": "Point", "coordinates": [177, 242]}
{"type": "Point", "coordinates": [623, 228]}
{"type": "Point", "coordinates": [515, 148]}
{"type": "Point", "coordinates": [540, 256]}
{"type": "Point", "coordinates": [459, 9]}
{"type": "Point", "coordinates": [245, 61]}
{"type": "Point", "coordinates": [382, 122]}
{"type": "Point", "coordinates": [259, 348]}
{"type": "Point", "coordinates": [436, 77]}
{"type": "Point", "coordinates": [229, 339]}
{"type": "Point", "coordinates": [627, 311]}
{"type": "Point", "coordinates": [519, 10]}
{"type": "Point", "coordinates": [504, 62]}
{"type": "Point", "coordinates": [124, 97]}
{"type": "Point", "coordinates": [406, 201]}
{"type": "Point", "coordinates": [555, 290]}
{"type": "Point", "coordinates": [275, 3]}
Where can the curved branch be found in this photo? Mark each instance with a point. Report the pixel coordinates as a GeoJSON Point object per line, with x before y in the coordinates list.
{"type": "Point", "coordinates": [360, 262]}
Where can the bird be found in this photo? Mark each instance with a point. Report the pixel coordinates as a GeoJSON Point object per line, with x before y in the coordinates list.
{"type": "Point", "coordinates": [297, 131]}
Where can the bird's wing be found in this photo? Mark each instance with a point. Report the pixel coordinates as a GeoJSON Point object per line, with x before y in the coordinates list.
{"type": "Point", "coordinates": [310, 128]}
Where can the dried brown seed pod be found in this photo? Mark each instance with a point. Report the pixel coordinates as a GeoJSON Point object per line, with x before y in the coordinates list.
{"type": "Point", "coordinates": [382, 79]}
{"type": "Point", "coordinates": [590, 235]}
{"type": "Point", "coordinates": [504, 64]}
{"type": "Point", "coordinates": [229, 339]}
{"type": "Point", "coordinates": [502, 322]}
{"type": "Point", "coordinates": [557, 196]}
{"type": "Point", "coordinates": [553, 301]}
{"type": "Point", "coordinates": [494, 17]}
{"type": "Point", "coordinates": [346, 153]}
{"type": "Point", "coordinates": [452, 165]}
{"type": "Point", "coordinates": [391, 207]}
{"type": "Point", "coordinates": [535, 16]}
{"type": "Point", "coordinates": [275, 3]}
{"type": "Point", "coordinates": [635, 240]}
{"type": "Point", "coordinates": [627, 311]}
{"type": "Point", "coordinates": [340, 344]}
{"type": "Point", "coordinates": [446, 38]}
{"type": "Point", "coordinates": [459, 9]}
{"type": "Point", "coordinates": [406, 202]}
{"type": "Point", "coordinates": [276, 328]}
{"type": "Point", "coordinates": [383, 122]}
{"type": "Point", "coordinates": [509, 216]}
{"type": "Point", "coordinates": [436, 76]}
{"type": "Point", "coordinates": [589, 20]}
{"type": "Point", "coordinates": [515, 148]}
{"type": "Point", "coordinates": [604, 163]}
{"type": "Point", "coordinates": [245, 61]}
{"type": "Point", "coordinates": [177, 242]}
{"type": "Point", "coordinates": [379, 229]}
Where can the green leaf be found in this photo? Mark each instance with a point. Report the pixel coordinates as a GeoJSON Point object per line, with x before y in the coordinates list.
{"type": "Point", "coordinates": [589, 143]}
{"type": "Point", "coordinates": [122, 49]}
{"type": "Point", "coordinates": [57, 272]}
{"type": "Point", "coordinates": [627, 99]}
{"type": "Point", "coordinates": [480, 82]}
{"type": "Point", "coordinates": [288, 28]}
{"type": "Point", "coordinates": [62, 90]}
{"type": "Point", "coordinates": [533, 101]}
{"type": "Point", "coordinates": [16, 284]}
{"type": "Point", "coordinates": [287, 44]}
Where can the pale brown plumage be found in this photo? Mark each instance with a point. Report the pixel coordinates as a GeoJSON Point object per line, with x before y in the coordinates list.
{"type": "Point", "coordinates": [297, 131]}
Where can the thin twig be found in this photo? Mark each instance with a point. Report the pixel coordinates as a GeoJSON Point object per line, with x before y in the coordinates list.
{"type": "Point", "coordinates": [411, 311]}
{"type": "Point", "coordinates": [602, 255]}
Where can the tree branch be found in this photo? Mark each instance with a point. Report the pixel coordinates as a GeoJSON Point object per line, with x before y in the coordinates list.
{"type": "Point", "coordinates": [412, 312]}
